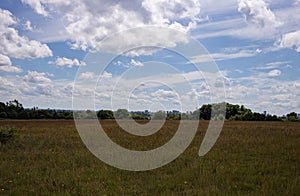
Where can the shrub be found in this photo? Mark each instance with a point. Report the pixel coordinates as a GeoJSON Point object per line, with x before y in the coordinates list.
{"type": "Point", "coordinates": [7, 134]}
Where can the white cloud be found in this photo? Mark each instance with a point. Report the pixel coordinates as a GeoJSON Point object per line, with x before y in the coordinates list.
{"type": "Point", "coordinates": [45, 89]}
{"type": "Point", "coordinates": [136, 63]}
{"type": "Point", "coordinates": [87, 75]}
{"type": "Point", "coordinates": [291, 40]}
{"type": "Point", "coordinates": [165, 95]}
{"type": "Point", "coordinates": [165, 11]}
{"type": "Point", "coordinates": [14, 45]}
{"type": "Point", "coordinates": [240, 92]}
{"type": "Point", "coordinates": [273, 65]}
{"type": "Point", "coordinates": [258, 13]}
{"type": "Point", "coordinates": [68, 62]}
{"type": "Point", "coordinates": [262, 23]}
{"type": "Point", "coordinates": [28, 26]}
{"type": "Point", "coordinates": [10, 68]}
{"type": "Point", "coordinates": [36, 77]}
{"type": "Point", "coordinates": [274, 73]}
{"type": "Point", "coordinates": [224, 56]}
{"type": "Point", "coordinates": [4, 60]}
{"type": "Point", "coordinates": [297, 2]}
{"type": "Point", "coordinates": [5, 83]}
{"type": "Point", "coordinates": [106, 75]}
{"type": "Point", "coordinates": [6, 65]}
{"type": "Point", "coordinates": [88, 22]}
{"type": "Point", "coordinates": [37, 6]}
{"type": "Point", "coordinates": [91, 75]}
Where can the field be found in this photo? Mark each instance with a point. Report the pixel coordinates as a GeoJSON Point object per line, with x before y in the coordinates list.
{"type": "Point", "coordinates": [253, 158]}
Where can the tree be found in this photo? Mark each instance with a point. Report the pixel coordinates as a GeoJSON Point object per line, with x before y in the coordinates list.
{"type": "Point", "coordinates": [232, 110]}
{"type": "Point", "coordinates": [122, 114]}
{"type": "Point", "coordinates": [205, 112]}
{"type": "Point", "coordinates": [3, 115]}
{"type": "Point", "coordinates": [23, 115]}
{"type": "Point", "coordinates": [2, 107]}
{"type": "Point", "coordinates": [292, 114]}
{"type": "Point", "coordinates": [160, 115]}
{"type": "Point", "coordinates": [105, 114]}
{"type": "Point", "coordinates": [172, 116]}
{"type": "Point", "coordinates": [292, 117]}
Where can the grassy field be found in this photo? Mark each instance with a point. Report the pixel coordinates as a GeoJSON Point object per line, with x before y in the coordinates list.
{"type": "Point", "coordinates": [253, 158]}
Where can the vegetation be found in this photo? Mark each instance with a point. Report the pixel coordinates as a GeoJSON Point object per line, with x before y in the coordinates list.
{"type": "Point", "coordinates": [15, 110]}
{"type": "Point", "coordinates": [249, 158]}
{"type": "Point", "coordinates": [7, 134]}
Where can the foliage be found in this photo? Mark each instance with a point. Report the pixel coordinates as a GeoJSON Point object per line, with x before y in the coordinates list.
{"type": "Point", "coordinates": [6, 134]}
{"type": "Point", "coordinates": [122, 114]}
{"type": "Point", "coordinates": [105, 114]}
{"type": "Point", "coordinates": [14, 110]}
{"type": "Point", "coordinates": [160, 115]}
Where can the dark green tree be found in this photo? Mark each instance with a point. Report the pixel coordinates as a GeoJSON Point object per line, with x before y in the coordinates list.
{"type": "Point", "coordinates": [3, 115]}
{"type": "Point", "coordinates": [205, 112]}
{"type": "Point", "coordinates": [105, 114]}
{"type": "Point", "coordinates": [122, 114]}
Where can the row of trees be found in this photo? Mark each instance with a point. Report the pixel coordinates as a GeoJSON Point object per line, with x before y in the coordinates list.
{"type": "Point", "coordinates": [15, 110]}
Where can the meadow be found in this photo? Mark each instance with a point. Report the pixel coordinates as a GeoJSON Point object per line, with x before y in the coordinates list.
{"type": "Point", "coordinates": [47, 157]}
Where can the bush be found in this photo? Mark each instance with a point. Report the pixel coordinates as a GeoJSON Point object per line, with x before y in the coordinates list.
{"type": "Point", "coordinates": [7, 134]}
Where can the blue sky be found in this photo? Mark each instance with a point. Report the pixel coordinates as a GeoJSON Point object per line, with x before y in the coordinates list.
{"type": "Point", "coordinates": [47, 44]}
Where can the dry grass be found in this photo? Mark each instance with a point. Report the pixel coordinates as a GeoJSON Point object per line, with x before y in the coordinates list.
{"type": "Point", "coordinates": [48, 157]}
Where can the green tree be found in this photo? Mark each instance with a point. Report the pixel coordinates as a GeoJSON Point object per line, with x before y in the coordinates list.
{"type": "Point", "coordinates": [3, 115]}
{"type": "Point", "coordinates": [292, 117]}
{"type": "Point", "coordinates": [205, 112]}
{"type": "Point", "coordinates": [292, 114]}
{"type": "Point", "coordinates": [172, 116]}
{"type": "Point", "coordinates": [105, 114]}
{"type": "Point", "coordinates": [122, 114]}
{"type": "Point", "coordinates": [160, 115]}
{"type": "Point", "coordinates": [232, 110]}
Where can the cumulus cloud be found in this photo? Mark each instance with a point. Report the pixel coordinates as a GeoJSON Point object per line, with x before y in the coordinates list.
{"type": "Point", "coordinates": [274, 73]}
{"type": "Point", "coordinates": [291, 40]}
{"type": "Point", "coordinates": [91, 75]}
{"type": "Point", "coordinates": [202, 92]}
{"type": "Point", "coordinates": [14, 45]}
{"type": "Point", "coordinates": [106, 74]}
{"type": "Point", "coordinates": [87, 75]}
{"type": "Point", "coordinates": [165, 95]}
{"type": "Point", "coordinates": [6, 65]}
{"type": "Point", "coordinates": [67, 62]}
{"type": "Point", "coordinates": [165, 11]}
{"type": "Point", "coordinates": [88, 22]}
{"type": "Point", "coordinates": [136, 63]}
{"type": "Point", "coordinates": [36, 77]}
{"type": "Point", "coordinates": [257, 12]}
{"type": "Point", "coordinates": [4, 60]}
{"type": "Point", "coordinates": [10, 68]}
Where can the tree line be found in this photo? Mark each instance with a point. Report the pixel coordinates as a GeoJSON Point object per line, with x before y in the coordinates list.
{"type": "Point", "coordinates": [15, 110]}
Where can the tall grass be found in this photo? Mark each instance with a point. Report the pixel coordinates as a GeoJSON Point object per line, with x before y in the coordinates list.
{"type": "Point", "coordinates": [48, 157]}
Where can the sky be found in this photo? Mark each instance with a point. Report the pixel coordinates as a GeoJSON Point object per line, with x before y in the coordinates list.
{"type": "Point", "coordinates": [52, 54]}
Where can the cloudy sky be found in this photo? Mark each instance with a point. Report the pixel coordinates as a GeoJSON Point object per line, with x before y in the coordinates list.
{"type": "Point", "coordinates": [46, 44]}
